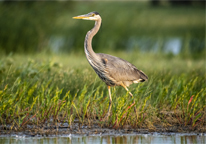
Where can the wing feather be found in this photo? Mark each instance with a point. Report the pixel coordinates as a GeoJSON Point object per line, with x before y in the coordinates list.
{"type": "Point", "coordinates": [121, 70]}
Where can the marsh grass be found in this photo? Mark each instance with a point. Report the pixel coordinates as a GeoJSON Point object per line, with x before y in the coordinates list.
{"type": "Point", "coordinates": [44, 90]}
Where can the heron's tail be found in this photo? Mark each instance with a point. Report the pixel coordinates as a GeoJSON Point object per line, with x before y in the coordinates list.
{"type": "Point", "coordinates": [142, 77]}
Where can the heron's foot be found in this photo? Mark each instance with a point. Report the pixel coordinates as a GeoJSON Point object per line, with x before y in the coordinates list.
{"type": "Point", "coordinates": [135, 109]}
{"type": "Point", "coordinates": [108, 113]}
{"type": "Point", "coordinates": [106, 117]}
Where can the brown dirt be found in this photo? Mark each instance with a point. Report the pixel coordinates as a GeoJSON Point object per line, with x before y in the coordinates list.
{"type": "Point", "coordinates": [78, 128]}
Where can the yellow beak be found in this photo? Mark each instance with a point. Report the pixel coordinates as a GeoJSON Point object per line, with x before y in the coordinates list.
{"type": "Point", "coordinates": [80, 17]}
{"type": "Point", "coordinates": [85, 17]}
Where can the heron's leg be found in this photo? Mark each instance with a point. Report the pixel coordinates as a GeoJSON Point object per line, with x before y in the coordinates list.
{"type": "Point", "coordinates": [130, 95]}
{"type": "Point", "coordinates": [110, 96]}
{"type": "Point", "coordinates": [127, 89]}
{"type": "Point", "coordinates": [110, 103]}
{"type": "Point", "coordinates": [110, 100]}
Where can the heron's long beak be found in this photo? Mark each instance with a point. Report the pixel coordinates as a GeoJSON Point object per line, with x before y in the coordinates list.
{"type": "Point", "coordinates": [81, 17]}
{"type": "Point", "coordinates": [85, 17]}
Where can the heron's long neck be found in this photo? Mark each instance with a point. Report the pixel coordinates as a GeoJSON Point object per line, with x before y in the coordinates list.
{"type": "Point", "coordinates": [88, 41]}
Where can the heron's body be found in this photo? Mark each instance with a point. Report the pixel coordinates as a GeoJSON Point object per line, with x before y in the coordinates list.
{"type": "Point", "coordinates": [112, 70]}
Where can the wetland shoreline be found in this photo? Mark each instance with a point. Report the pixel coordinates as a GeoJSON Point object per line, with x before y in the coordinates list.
{"type": "Point", "coordinates": [96, 129]}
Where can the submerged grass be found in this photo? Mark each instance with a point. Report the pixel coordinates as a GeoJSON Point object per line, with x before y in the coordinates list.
{"type": "Point", "coordinates": [40, 90]}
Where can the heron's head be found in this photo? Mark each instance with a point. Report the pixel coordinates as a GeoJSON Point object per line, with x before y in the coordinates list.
{"type": "Point", "coordinates": [90, 16]}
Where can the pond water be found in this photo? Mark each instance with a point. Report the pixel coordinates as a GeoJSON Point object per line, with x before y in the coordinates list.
{"type": "Point", "coordinates": [155, 138]}
{"type": "Point", "coordinates": [173, 45]}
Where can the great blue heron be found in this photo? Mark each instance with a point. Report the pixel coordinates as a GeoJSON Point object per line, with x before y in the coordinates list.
{"type": "Point", "coordinates": [112, 70]}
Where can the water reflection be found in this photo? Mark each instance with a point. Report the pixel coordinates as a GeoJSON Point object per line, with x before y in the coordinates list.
{"type": "Point", "coordinates": [174, 45]}
{"type": "Point", "coordinates": [132, 139]}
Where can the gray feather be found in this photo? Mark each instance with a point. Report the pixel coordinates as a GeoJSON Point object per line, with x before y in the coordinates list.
{"type": "Point", "coordinates": [121, 70]}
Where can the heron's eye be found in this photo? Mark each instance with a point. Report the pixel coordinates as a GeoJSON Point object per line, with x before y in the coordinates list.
{"type": "Point", "coordinates": [93, 14]}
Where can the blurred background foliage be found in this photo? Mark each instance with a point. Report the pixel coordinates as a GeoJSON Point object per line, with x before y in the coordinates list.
{"type": "Point", "coordinates": [147, 26]}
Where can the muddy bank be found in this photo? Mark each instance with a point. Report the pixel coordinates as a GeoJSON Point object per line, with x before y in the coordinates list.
{"type": "Point", "coordinates": [94, 129]}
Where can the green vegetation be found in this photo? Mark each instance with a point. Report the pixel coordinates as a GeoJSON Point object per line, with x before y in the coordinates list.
{"type": "Point", "coordinates": [36, 88]}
